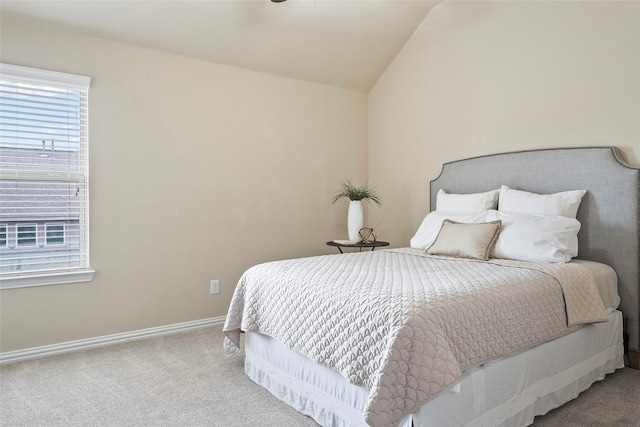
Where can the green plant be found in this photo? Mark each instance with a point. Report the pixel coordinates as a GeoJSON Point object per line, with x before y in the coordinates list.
{"type": "Point", "coordinates": [351, 192]}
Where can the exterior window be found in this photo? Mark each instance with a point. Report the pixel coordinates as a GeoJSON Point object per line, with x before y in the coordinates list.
{"type": "Point", "coordinates": [54, 234]}
{"type": "Point", "coordinates": [27, 234]}
{"type": "Point", "coordinates": [44, 175]}
{"type": "Point", "coordinates": [3, 235]}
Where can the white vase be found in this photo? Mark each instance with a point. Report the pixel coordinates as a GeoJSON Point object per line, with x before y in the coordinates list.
{"type": "Point", "coordinates": [355, 219]}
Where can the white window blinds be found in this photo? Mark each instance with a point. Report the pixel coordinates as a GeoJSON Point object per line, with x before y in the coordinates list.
{"type": "Point", "coordinates": [44, 176]}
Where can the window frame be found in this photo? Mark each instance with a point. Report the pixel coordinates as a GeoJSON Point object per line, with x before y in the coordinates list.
{"type": "Point", "coordinates": [70, 274]}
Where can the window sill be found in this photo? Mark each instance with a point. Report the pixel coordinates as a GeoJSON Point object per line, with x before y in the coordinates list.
{"type": "Point", "coordinates": [28, 281]}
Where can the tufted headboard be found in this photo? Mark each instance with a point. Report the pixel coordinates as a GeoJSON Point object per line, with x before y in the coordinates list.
{"type": "Point", "coordinates": [609, 212]}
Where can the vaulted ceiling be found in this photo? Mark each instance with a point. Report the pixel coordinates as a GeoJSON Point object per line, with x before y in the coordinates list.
{"type": "Point", "coordinates": [344, 43]}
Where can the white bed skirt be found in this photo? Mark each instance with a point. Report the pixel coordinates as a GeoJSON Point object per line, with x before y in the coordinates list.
{"type": "Point", "coordinates": [507, 392]}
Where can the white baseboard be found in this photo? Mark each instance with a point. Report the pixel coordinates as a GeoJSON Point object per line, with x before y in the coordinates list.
{"type": "Point", "coordinates": [84, 344]}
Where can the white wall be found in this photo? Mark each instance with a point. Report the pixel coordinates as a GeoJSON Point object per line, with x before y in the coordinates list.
{"type": "Point", "coordinates": [198, 171]}
{"type": "Point", "coordinates": [488, 77]}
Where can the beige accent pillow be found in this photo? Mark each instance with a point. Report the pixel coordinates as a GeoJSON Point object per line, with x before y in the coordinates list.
{"type": "Point", "coordinates": [463, 240]}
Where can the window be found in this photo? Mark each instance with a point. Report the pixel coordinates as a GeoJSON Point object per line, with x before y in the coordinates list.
{"type": "Point", "coordinates": [3, 235]}
{"type": "Point", "coordinates": [27, 234]}
{"type": "Point", "coordinates": [43, 177]}
{"type": "Point", "coordinates": [54, 234]}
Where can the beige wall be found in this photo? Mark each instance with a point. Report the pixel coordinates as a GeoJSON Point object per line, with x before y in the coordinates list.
{"type": "Point", "coordinates": [198, 171]}
{"type": "Point", "coordinates": [489, 77]}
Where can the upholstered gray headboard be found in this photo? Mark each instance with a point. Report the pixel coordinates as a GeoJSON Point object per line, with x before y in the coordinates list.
{"type": "Point", "coordinates": [608, 213]}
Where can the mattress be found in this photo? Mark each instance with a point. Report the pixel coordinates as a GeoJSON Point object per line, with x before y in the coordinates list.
{"type": "Point", "coordinates": [507, 392]}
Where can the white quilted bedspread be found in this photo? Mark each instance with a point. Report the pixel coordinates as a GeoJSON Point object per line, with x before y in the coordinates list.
{"type": "Point", "coordinates": [406, 325]}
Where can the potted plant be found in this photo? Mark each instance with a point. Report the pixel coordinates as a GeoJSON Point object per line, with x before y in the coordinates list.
{"type": "Point", "coordinates": [356, 195]}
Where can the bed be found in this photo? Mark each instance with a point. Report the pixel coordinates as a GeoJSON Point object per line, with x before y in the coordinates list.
{"type": "Point", "coordinates": [509, 356]}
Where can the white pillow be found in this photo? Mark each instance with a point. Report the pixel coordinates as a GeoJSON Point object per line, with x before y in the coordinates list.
{"type": "Point", "coordinates": [465, 240]}
{"type": "Point", "coordinates": [565, 203]}
{"type": "Point", "coordinates": [474, 202]}
{"type": "Point", "coordinates": [432, 223]}
{"type": "Point", "coordinates": [537, 238]}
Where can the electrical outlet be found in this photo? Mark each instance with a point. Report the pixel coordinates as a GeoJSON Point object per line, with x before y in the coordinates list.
{"type": "Point", "coordinates": [215, 287]}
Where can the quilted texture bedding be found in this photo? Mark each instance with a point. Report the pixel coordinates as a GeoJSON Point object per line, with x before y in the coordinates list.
{"type": "Point", "coordinates": [406, 325]}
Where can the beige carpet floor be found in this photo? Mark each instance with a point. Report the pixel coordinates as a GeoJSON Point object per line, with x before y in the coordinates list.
{"type": "Point", "coordinates": [184, 380]}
